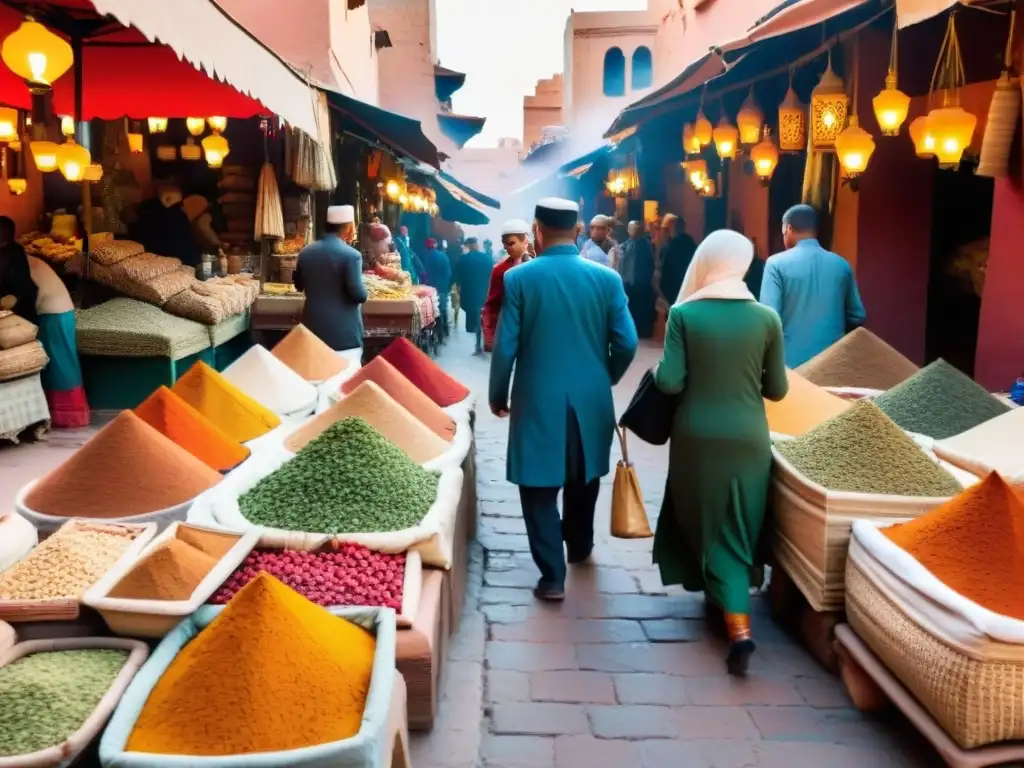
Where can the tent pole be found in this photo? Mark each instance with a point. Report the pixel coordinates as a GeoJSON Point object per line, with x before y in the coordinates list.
{"type": "Point", "coordinates": [85, 139]}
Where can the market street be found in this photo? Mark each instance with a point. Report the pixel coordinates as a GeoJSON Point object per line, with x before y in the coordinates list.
{"type": "Point", "coordinates": [622, 674]}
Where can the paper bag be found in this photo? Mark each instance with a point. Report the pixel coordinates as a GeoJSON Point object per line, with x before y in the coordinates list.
{"type": "Point", "coordinates": [629, 516]}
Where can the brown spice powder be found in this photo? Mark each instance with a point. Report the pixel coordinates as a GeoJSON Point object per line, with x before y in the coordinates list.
{"type": "Point", "coordinates": [213, 543]}
{"type": "Point", "coordinates": [306, 354]}
{"type": "Point", "coordinates": [387, 377]}
{"type": "Point", "coordinates": [172, 571]}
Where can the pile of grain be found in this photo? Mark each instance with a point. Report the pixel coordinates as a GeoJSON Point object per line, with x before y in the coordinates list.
{"type": "Point", "coordinates": [427, 375]}
{"type": "Point", "coordinates": [863, 451]}
{"type": "Point", "coordinates": [861, 360]}
{"type": "Point", "coordinates": [268, 381]}
{"type": "Point", "coordinates": [172, 571]}
{"type": "Point", "coordinates": [306, 354]}
{"type": "Point", "coordinates": [939, 401]}
{"type": "Point", "coordinates": [405, 393]}
{"type": "Point", "coordinates": [804, 407]}
{"type": "Point", "coordinates": [237, 414]}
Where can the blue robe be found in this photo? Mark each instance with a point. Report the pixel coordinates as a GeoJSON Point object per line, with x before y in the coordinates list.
{"type": "Point", "coordinates": [565, 326]}
{"type": "Point", "coordinates": [473, 274]}
{"type": "Point", "coordinates": [438, 268]}
{"type": "Point", "coordinates": [331, 273]}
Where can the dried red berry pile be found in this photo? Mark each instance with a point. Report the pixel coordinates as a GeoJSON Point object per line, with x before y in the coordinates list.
{"type": "Point", "coordinates": [352, 575]}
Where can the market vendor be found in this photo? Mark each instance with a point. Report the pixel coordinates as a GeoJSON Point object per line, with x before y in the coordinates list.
{"type": "Point", "coordinates": [515, 240]}
{"type": "Point", "coordinates": [330, 273]}
{"type": "Point", "coordinates": [17, 291]}
{"type": "Point", "coordinates": [164, 227]}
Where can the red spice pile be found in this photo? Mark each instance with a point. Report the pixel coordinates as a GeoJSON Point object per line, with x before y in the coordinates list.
{"type": "Point", "coordinates": [352, 575]}
{"type": "Point", "coordinates": [427, 375]}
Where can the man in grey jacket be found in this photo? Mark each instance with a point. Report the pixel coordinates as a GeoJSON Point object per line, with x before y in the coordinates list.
{"type": "Point", "coordinates": [330, 272]}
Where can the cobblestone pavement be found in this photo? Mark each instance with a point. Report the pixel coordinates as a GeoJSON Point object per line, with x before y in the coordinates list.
{"type": "Point", "coordinates": [623, 673]}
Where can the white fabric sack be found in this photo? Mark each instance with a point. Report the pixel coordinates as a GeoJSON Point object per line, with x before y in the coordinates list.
{"type": "Point", "coordinates": [949, 616]}
{"type": "Point", "coordinates": [17, 538]}
{"type": "Point", "coordinates": [360, 751]}
{"type": "Point", "coordinates": [333, 385]}
{"type": "Point", "coordinates": [67, 752]}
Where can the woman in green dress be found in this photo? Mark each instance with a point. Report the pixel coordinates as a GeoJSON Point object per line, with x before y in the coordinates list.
{"type": "Point", "coordinates": [723, 355]}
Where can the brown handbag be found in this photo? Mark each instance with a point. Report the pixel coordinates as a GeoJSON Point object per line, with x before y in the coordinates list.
{"type": "Point", "coordinates": [629, 515]}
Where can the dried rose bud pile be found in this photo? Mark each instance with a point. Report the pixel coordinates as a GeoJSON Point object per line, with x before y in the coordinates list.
{"type": "Point", "coordinates": [352, 575]}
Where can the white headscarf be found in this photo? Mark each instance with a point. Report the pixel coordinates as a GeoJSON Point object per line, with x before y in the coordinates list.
{"type": "Point", "coordinates": [718, 267]}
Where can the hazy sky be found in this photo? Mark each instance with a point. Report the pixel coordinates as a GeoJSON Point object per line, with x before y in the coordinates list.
{"type": "Point", "coordinates": [505, 47]}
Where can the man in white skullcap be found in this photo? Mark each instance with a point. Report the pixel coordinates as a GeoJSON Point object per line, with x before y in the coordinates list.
{"type": "Point", "coordinates": [515, 239]}
{"type": "Point", "coordinates": [330, 271]}
{"type": "Point", "coordinates": [601, 247]}
{"type": "Point", "coordinates": [566, 330]}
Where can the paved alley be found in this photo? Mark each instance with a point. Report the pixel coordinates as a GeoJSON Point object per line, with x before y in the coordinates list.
{"type": "Point", "coordinates": [623, 673]}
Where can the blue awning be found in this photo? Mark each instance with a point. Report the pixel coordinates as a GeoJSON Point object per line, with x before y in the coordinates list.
{"type": "Point", "coordinates": [567, 169]}
{"type": "Point", "coordinates": [460, 128]}
{"type": "Point", "coordinates": [479, 197]}
{"type": "Point", "coordinates": [403, 134]}
{"type": "Point", "coordinates": [447, 82]}
{"type": "Point", "coordinates": [451, 208]}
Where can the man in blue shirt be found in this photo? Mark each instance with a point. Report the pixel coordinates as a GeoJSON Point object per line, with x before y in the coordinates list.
{"type": "Point", "coordinates": [813, 290]}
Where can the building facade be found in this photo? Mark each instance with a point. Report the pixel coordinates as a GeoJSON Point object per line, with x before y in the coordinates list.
{"type": "Point", "coordinates": [541, 109]}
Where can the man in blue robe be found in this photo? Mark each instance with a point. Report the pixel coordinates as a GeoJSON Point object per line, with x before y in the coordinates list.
{"type": "Point", "coordinates": [565, 328]}
{"type": "Point", "coordinates": [438, 272]}
{"type": "Point", "coordinates": [813, 290]}
{"type": "Point", "coordinates": [473, 276]}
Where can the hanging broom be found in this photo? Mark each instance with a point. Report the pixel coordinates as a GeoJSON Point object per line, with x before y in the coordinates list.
{"type": "Point", "coordinates": [1003, 113]}
{"type": "Point", "coordinates": [269, 216]}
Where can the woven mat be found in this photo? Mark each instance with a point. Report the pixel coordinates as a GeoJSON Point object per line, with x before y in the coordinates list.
{"type": "Point", "coordinates": [130, 328]}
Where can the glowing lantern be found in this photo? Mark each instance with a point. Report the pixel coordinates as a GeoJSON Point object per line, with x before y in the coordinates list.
{"type": "Point", "coordinates": [135, 142]}
{"type": "Point", "coordinates": [922, 136]}
{"type": "Point", "coordinates": [749, 120]}
{"type": "Point", "coordinates": [67, 125]}
{"type": "Point", "coordinates": [691, 145]}
{"type": "Point", "coordinates": [765, 156]}
{"type": "Point", "coordinates": [8, 125]}
{"type": "Point", "coordinates": [792, 123]}
{"type": "Point", "coordinates": [157, 124]}
{"type": "Point", "coordinates": [44, 155]}
{"type": "Point", "coordinates": [17, 186]}
{"type": "Point", "coordinates": [702, 130]}
{"type": "Point", "coordinates": [36, 55]}
{"type": "Point", "coordinates": [167, 152]}
{"type": "Point", "coordinates": [891, 106]}
{"type": "Point", "coordinates": [190, 151]}
{"type": "Point", "coordinates": [216, 148]}
{"type": "Point", "coordinates": [73, 159]}
{"type": "Point", "coordinates": [217, 124]}
{"type": "Point", "coordinates": [952, 129]}
{"type": "Point", "coordinates": [854, 147]}
{"type": "Point", "coordinates": [94, 172]}
{"type": "Point", "coordinates": [829, 103]}
{"type": "Point", "coordinates": [195, 125]}
{"type": "Point", "coordinates": [393, 189]}
{"type": "Point", "coordinates": [726, 138]}
{"type": "Point", "coordinates": [697, 172]}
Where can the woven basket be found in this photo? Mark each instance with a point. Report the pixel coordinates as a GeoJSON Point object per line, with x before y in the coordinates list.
{"type": "Point", "coordinates": [1003, 114]}
{"type": "Point", "coordinates": [15, 331]}
{"type": "Point", "coordinates": [22, 361]}
{"type": "Point", "coordinates": [976, 702]}
{"type": "Point", "coordinates": [114, 251]}
{"type": "Point", "coordinates": [128, 328]}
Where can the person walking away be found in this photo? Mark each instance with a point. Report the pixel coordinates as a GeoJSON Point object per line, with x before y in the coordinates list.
{"type": "Point", "coordinates": [813, 290]}
{"type": "Point", "coordinates": [601, 248]}
{"type": "Point", "coordinates": [411, 262]}
{"type": "Point", "coordinates": [516, 242]}
{"type": "Point", "coordinates": [637, 270]}
{"type": "Point", "coordinates": [565, 328]}
{"type": "Point", "coordinates": [472, 275]}
{"type": "Point", "coordinates": [18, 293]}
{"type": "Point", "coordinates": [676, 254]}
{"type": "Point", "coordinates": [489, 250]}
{"type": "Point", "coordinates": [723, 354]}
{"type": "Point", "coordinates": [438, 275]}
{"type": "Point", "coordinates": [330, 273]}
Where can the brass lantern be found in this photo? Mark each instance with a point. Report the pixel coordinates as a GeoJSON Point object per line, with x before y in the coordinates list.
{"type": "Point", "coordinates": [196, 125]}
{"type": "Point", "coordinates": [190, 150]}
{"type": "Point", "coordinates": [829, 104]}
{"type": "Point", "coordinates": [697, 172]}
{"type": "Point", "coordinates": [44, 155]}
{"type": "Point", "coordinates": [157, 124]}
{"type": "Point", "coordinates": [922, 136]}
{"type": "Point", "coordinates": [8, 125]}
{"type": "Point", "coordinates": [17, 186]}
{"type": "Point", "coordinates": [67, 125]}
{"type": "Point", "coordinates": [726, 137]}
{"type": "Point", "coordinates": [792, 123]}
{"type": "Point", "coordinates": [36, 54]}
{"type": "Point", "coordinates": [215, 148]}
{"type": "Point", "coordinates": [167, 152]}
{"type": "Point", "coordinates": [73, 159]}
{"type": "Point", "coordinates": [217, 123]}
{"type": "Point", "coordinates": [952, 128]}
{"type": "Point", "coordinates": [702, 130]}
{"type": "Point", "coordinates": [93, 172]}
{"type": "Point", "coordinates": [765, 157]}
{"type": "Point", "coordinates": [854, 147]}
{"type": "Point", "coordinates": [691, 145]}
{"type": "Point", "coordinates": [749, 120]}
{"type": "Point", "coordinates": [134, 142]}
{"type": "Point", "coordinates": [891, 106]}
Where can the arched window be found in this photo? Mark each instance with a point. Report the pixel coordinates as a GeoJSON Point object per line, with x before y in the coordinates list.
{"type": "Point", "coordinates": [643, 68]}
{"type": "Point", "coordinates": [614, 72]}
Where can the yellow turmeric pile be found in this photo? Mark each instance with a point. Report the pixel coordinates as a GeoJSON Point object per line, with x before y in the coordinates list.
{"type": "Point", "coordinates": [272, 672]}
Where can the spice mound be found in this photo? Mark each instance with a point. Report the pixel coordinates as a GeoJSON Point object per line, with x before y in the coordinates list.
{"type": "Point", "coordinates": [276, 672]}
{"type": "Point", "coordinates": [66, 564]}
{"type": "Point", "coordinates": [378, 409]}
{"type": "Point", "coordinates": [126, 469]}
{"type": "Point", "coordinates": [974, 544]}
{"type": "Point", "coordinates": [863, 451]}
{"type": "Point", "coordinates": [940, 401]}
{"type": "Point", "coordinates": [427, 375]}
{"type": "Point", "coordinates": [172, 571]}
{"type": "Point", "coordinates": [306, 354]}
{"type": "Point", "coordinates": [353, 575]}
{"type": "Point", "coordinates": [214, 543]}
{"type": "Point", "coordinates": [267, 380]}
{"type": "Point", "coordinates": [175, 419]}
{"type": "Point", "coordinates": [237, 414]}
{"type": "Point", "coordinates": [859, 359]}
{"type": "Point", "coordinates": [386, 376]}
{"type": "Point", "coordinates": [45, 697]}
{"type": "Point", "coordinates": [804, 407]}
{"type": "Point", "coordinates": [348, 480]}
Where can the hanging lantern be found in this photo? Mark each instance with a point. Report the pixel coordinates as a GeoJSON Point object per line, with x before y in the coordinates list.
{"type": "Point", "coordinates": [217, 124]}
{"type": "Point", "coordinates": [36, 55]}
{"type": "Point", "coordinates": [952, 129]}
{"type": "Point", "coordinates": [854, 147]}
{"type": "Point", "coordinates": [73, 159]}
{"type": "Point", "coordinates": [891, 107]}
{"type": "Point", "coordinates": [167, 152]}
{"type": "Point", "coordinates": [8, 125]}
{"type": "Point", "coordinates": [44, 155]}
{"type": "Point", "coordinates": [93, 172]}
{"type": "Point", "coordinates": [697, 172]}
{"type": "Point", "coordinates": [726, 138]}
{"type": "Point", "coordinates": [829, 104]}
{"type": "Point", "coordinates": [135, 142]}
{"type": "Point", "coordinates": [702, 130]}
{"type": "Point", "coordinates": [157, 124]}
{"type": "Point", "coordinates": [190, 150]}
{"type": "Point", "coordinates": [196, 125]}
{"type": "Point", "coordinates": [17, 186]}
{"type": "Point", "coordinates": [691, 146]}
{"type": "Point", "coordinates": [67, 126]}
{"type": "Point", "coordinates": [393, 189]}
{"type": "Point", "coordinates": [749, 120]}
{"type": "Point", "coordinates": [765, 156]}
{"type": "Point", "coordinates": [922, 136]}
{"type": "Point", "coordinates": [216, 148]}
{"type": "Point", "coordinates": [792, 123]}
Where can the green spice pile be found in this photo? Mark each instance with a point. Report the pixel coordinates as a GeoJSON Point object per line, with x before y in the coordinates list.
{"type": "Point", "coordinates": [939, 401]}
{"type": "Point", "coordinates": [348, 480]}
{"type": "Point", "coordinates": [45, 697]}
{"type": "Point", "coordinates": [863, 451]}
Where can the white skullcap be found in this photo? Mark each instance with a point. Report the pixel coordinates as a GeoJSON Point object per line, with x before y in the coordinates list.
{"type": "Point", "coordinates": [515, 227]}
{"type": "Point", "coordinates": [341, 214]}
{"type": "Point", "coordinates": [557, 212]}
{"type": "Point", "coordinates": [558, 204]}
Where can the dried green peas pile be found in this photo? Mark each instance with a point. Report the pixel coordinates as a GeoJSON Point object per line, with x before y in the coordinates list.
{"type": "Point", "coordinates": [45, 697]}
{"type": "Point", "coordinates": [350, 479]}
